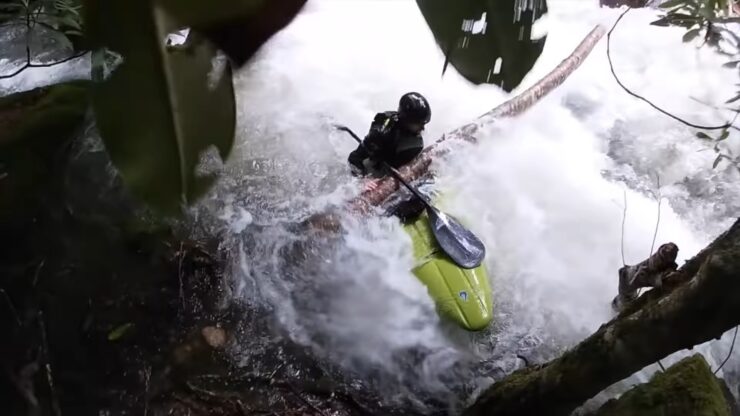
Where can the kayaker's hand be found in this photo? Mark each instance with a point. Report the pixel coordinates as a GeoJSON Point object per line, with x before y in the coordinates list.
{"type": "Point", "coordinates": [372, 185]}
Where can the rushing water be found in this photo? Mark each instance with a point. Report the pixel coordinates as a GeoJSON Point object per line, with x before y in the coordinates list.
{"type": "Point", "coordinates": [545, 191]}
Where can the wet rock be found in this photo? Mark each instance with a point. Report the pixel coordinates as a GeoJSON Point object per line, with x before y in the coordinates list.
{"type": "Point", "coordinates": [214, 336]}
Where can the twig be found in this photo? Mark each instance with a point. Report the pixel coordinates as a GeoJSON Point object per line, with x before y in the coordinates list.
{"type": "Point", "coordinates": [729, 353]}
{"type": "Point", "coordinates": [624, 218]}
{"type": "Point", "coordinates": [13, 311]}
{"type": "Point", "coordinates": [147, 376]}
{"type": "Point", "coordinates": [611, 66]}
{"type": "Point", "coordinates": [201, 390]}
{"type": "Point", "coordinates": [47, 366]}
{"type": "Point", "coordinates": [29, 64]}
{"type": "Point", "coordinates": [657, 223]}
{"type": "Point", "coordinates": [179, 276]}
{"type": "Point", "coordinates": [305, 400]}
{"type": "Point", "coordinates": [280, 367]}
{"type": "Point", "coordinates": [37, 273]}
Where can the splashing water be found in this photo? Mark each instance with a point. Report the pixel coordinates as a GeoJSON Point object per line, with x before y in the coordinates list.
{"type": "Point", "coordinates": [545, 192]}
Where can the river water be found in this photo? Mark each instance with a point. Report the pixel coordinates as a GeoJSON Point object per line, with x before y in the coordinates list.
{"type": "Point", "coordinates": [545, 191]}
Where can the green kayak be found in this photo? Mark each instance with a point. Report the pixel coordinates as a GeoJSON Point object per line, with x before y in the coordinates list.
{"type": "Point", "coordinates": [463, 295]}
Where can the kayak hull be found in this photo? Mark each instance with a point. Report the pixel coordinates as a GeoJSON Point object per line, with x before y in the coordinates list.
{"type": "Point", "coordinates": [460, 294]}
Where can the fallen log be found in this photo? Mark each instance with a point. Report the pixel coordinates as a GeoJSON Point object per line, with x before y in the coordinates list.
{"type": "Point", "coordinates": [695, 311]}
{"type": "Point", "coordinates": [515, 106]}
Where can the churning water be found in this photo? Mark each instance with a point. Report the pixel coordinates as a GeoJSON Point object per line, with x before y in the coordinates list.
{"type": "Point", "coordinates": [545, 191]}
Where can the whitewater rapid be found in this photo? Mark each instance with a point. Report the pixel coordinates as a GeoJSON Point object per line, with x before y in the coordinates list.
{"type": "Point", "coordinates": [545, 192]}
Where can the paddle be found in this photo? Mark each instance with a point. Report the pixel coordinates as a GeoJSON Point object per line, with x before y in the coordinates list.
{"type": "Point", "coordinates": [463, 247]}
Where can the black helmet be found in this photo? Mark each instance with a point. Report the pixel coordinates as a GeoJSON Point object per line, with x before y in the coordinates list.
{"type": "Point", "coordinates": [414, 108]}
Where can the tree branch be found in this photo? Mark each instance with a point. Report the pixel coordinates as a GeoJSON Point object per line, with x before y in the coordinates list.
{"type": "Point", "coordinates": [689, 315]}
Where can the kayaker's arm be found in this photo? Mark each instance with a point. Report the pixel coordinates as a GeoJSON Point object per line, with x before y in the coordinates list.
{"type": "Point", "coordinates": [371, 146]}
{"type": "Point", "coordinates": [355, 160]}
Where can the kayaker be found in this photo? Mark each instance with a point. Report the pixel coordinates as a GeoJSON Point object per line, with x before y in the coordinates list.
{"type": "Point", "coordinates": [394, 138]}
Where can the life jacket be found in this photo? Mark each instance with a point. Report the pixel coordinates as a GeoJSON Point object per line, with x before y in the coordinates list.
{"type": "Point", "coordinates": [399, 145]}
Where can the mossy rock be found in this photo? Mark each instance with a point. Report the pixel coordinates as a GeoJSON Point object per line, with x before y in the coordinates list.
{"type": "Point", "coordinates": [688, 388]}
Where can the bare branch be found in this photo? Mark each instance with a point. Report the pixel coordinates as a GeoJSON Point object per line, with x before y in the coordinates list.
{"type": "Point", "coordinates": [11, 307]}
{"type": "Point", "coordinates": [47, 365]}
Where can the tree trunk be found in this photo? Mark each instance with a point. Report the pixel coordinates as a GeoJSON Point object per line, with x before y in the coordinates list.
{"type": "Point", "coordinates": [694, 311]}
{"type": "Point", "coordinates": [515, 106]}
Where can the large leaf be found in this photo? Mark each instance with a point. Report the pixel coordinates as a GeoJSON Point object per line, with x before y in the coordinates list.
{"type": "Point", "coordinates": [238, 27]}
{"type": "Point", "coordinates": [487, 41]}
{"type": "Point", "coordinates": [161, 107]}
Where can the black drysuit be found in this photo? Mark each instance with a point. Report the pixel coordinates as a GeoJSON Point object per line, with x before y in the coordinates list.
{"type": "Point", "coordinates": [387, 141]}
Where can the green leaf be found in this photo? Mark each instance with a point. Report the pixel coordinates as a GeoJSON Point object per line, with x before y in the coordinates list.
{"type": "Point", "coordinates": [678, 19]}
{"type": "Point", "coordinates": [73, 32]}
{"type": "Point", "coordinates": [487, 41]}
{"type": "Point", "coordinates": [120, 331]}
{"type": "Point", "coordinates": [725, 134]}
{"type": "Point", "coordinates": [71, 22]}
{"type": "Point", "coordinates": [12, 6]}
{"type": "Point", "coordinates": [161, 107]}
{"type": "Point", "coordinates": [690, 35]}
{"type": "Point", "coordinates": [703, 136]}
{"type": "Point", "coordinates": [672, 3]}
{"type": "Point", "coordinates": [706, 12]}
{"type": "Point", "coordinates": [663, 21]}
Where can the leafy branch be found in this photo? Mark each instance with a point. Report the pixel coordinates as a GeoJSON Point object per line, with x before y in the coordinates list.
{"type": "Point", "coordinates": [711, 18]}
{"type": "Point", "coordinates": [630, 92]}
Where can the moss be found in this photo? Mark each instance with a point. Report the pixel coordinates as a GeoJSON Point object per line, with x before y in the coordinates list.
{"type": "Point", "coordinates": [687, 388]}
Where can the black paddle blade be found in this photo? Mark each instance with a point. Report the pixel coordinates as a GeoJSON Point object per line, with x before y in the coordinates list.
{"type": "Point", "coordinates": [463, 247]}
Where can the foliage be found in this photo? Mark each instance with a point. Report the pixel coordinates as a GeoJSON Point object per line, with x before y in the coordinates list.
{"type": "Point", "coordinates": [487, 41]}
{"type": "Point", "coordinates": [62, 16]}
{"type": "Point", "coordinates": [711, 18]}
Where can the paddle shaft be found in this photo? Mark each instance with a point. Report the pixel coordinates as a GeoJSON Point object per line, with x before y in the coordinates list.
{"type": "Point", "coordinates": [461, 245]}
